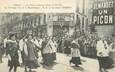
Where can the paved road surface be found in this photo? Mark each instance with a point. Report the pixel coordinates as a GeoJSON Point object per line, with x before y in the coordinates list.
{"type": "Point", "coordinates": [62, 65]}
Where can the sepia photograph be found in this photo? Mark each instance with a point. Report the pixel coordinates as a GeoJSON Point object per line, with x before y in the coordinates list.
{"type": "Point", "coordinates": [57, 36]}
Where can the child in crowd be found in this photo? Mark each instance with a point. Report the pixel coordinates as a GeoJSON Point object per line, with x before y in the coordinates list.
{"type": "Point", "coordinates": [75, 53]}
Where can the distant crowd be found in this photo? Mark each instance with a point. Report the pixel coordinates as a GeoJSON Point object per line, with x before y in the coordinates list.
{"type": "Point", "coordinates": [30, 51]}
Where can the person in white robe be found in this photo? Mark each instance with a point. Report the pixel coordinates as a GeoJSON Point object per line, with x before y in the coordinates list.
{"type": "Point", "coordinates": [103, 54]}
{"type": "Point", "coordinates": [6, 46]}
{"type": "Point", "coordinates": [75, 53]}
{"type": "Point", "coordinates": [54, 48]}
{"type": "Point", "coordinates": [37, 43]}
{"type": "Point", "coordinates": [23, 50]}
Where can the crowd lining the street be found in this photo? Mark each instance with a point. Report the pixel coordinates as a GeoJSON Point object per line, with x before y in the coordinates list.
{"type": "Point", "coordinates": [28, 49]}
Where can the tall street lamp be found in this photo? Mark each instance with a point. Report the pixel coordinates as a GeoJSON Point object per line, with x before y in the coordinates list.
{"type": "Point", "coordinates": [83, 12]}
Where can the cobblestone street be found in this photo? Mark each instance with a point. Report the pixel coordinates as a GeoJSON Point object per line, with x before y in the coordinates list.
{"type": "Point", "coordinates": [62, 65]}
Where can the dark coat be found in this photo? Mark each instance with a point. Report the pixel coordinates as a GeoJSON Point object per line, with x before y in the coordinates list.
{"type": "Point", "coordinates": [13, 52]}
{"type": "Point", "coordinates": [32, 57]}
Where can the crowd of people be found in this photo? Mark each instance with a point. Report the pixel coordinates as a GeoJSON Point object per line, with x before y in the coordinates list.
{"type": "Point", "coordinates": [28, 50]}
{"type": "Point", "coordinates": [102, 48]}
{"type": "Point", "coordinates": [105, 53]}
{"type": "Point", "coordinates": [87, 45]}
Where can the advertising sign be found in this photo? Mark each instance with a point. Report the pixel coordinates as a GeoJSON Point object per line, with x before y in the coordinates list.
{"type": "Point", "coordinates": [103, 12]}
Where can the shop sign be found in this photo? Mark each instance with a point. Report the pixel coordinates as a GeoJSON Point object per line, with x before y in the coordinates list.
{"type": "Point", "coordinates": [103, 12]}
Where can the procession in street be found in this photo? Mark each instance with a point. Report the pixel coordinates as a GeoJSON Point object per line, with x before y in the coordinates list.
{"type": "Point", "coordinates": [30, 52]}
{"type": "Point", "coordinates": [79, 41]}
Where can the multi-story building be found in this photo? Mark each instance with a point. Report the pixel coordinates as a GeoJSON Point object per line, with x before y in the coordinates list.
{"type": "Point", "coordinates": [62, 23]}
{"type": "Point", "coordinates": [52, 24]}
{"type": "Point", "coordinates": [7, 21]}
{"type": "Point", "coordinates": [22, 23]}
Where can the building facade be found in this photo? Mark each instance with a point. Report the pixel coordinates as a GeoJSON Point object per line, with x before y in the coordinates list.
{"type": "Point", "coordinates": [51, 24]}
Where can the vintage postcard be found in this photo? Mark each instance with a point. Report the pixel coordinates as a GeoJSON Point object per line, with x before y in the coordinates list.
{"type": "Point", "coordinates": [57, 36]}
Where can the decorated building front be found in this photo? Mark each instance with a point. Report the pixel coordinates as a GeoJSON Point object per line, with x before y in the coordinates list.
{"type": "Point", "coordinates": [29, 24]}
{"type": "Point", "coordinates": [51, 24]}
{"type": "Point", "coordinates": [62, 23]}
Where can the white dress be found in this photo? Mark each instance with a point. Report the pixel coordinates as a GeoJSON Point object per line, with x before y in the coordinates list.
{"type": "Point", "coordinates": [75, 52]}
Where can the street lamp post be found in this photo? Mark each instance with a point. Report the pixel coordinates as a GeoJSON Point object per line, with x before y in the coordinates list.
{"type": "Point", "coordinates": [76, 18]}
{"type": "Point", "coordinates": [83, 12]}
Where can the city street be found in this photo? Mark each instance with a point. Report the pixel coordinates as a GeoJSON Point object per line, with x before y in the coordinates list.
{"type": "Point", "coordinates": [62, 65]}
{"type": "Point", "coordinates": [32, 32]}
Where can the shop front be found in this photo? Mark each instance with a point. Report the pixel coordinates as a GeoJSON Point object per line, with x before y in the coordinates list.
{"type": "Point", "coordinates": [61, 24]}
